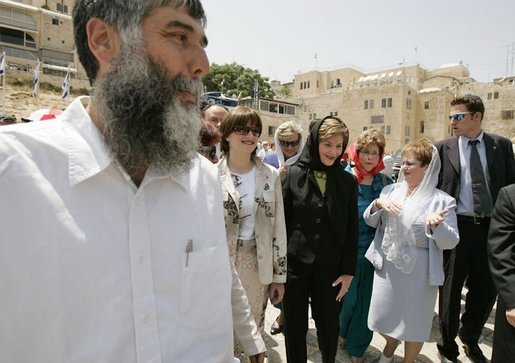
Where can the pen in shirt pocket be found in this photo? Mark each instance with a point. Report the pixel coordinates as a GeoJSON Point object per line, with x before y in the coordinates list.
{"type": "Point", "coordinates": [189, 249]}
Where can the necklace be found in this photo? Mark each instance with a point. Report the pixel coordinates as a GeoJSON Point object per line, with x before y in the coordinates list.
{"type": "Point", "coordinates": [320, 174]}
{"type": "Point", "coordinates": [410, 191]}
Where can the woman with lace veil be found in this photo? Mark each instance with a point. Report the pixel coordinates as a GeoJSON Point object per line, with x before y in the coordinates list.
{"type": "Point", "coordinates": [414, 223]}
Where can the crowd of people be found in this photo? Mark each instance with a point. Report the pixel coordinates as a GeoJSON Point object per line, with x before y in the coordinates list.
{"type": "Point", "coordinates": [159, 232]}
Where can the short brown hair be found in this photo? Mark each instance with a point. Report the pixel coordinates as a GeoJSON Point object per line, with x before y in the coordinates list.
{"type": "Point", "coordinates": [473, 103]}
{"type": "Point", "coordinates": [332, 126]}
{"type": "Point", "coordinates": [421, 149]}
{"type": "Point", "coordinates": [371, 137]}
{"type": "Point", "coordinates": [239, 116]}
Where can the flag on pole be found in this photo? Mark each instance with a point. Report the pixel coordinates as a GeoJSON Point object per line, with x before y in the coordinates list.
{"type": "Point", "coordinates": [2, 64]}
{"type": "Point", "coordinates": [66, 84]}
{"type": "Point", "coordinates": [35, 82]}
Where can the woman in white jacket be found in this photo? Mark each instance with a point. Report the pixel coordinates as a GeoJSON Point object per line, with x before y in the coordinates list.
{"type": "Point", "coordinates": [415, 222]}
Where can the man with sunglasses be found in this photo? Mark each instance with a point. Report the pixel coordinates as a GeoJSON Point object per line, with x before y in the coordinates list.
{"type": "Point", "coordinates": [463, 157]}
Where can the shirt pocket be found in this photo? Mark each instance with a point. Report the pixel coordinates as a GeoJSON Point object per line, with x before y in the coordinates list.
{"type": "Point", "coordinates": [206, 287]}
{"type": "Point", "coordinates": [269, 203]}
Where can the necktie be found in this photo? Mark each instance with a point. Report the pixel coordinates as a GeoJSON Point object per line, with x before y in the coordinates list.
{"type": "Point", "coordinates": [481, 196]}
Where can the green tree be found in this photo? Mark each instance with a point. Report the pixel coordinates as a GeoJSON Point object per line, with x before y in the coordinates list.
{"type": "Point", "coordinates": [235, 79]}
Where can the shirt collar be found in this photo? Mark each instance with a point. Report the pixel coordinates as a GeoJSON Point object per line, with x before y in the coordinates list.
{"type": "Point", "coordinates": [465, 140]}
{"type": "Point", "coordinates": [88, 155]}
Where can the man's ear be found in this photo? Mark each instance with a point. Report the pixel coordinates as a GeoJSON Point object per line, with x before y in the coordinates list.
{"type": "Point", "coordinates": [103, 42]}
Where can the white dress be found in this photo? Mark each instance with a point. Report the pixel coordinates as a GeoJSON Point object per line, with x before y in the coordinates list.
{"type": "Point", "coordinates": [402, 304]}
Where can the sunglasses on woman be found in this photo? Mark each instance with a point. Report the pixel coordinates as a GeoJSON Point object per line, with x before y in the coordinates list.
{"type": "Point", "coordinates": [244, 130]}
{"type": "Point", "coordinates": [285, 143]}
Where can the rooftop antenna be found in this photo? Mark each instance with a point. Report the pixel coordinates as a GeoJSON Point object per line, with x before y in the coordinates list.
{"type": "Point", "coordinates": [316, 59]}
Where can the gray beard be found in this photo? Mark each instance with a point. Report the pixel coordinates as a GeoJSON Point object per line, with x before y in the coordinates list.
{"type": "Point", "coordinates": [145, 123]}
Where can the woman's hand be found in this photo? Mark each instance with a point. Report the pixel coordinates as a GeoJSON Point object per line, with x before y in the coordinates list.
{"type": "Point", "coordinates": [435, 218]}
{"type": "Point", "coordinates": [387, 204]}
{"type": "Point", "coordinates": [276, 292]}
{"type": "Point", "coordinates": [345, 281]}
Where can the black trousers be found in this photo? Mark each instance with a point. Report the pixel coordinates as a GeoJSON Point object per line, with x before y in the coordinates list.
{"type": "Point", "coordinates": [504, 336]}
{"type": "Point", "coordinates": [311, 281]}
{"type": "Point", "coordinates": [466, 264]}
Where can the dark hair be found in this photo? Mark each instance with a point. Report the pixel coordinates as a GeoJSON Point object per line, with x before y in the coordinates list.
{"type": "Point", "coordinates": [122, 15]}
{"type": "Point", "coordinates": [473, 103]}
{"type": "Point", "coordinates": [209, 135]}
{"type": "Point", "coordinates": [239, 116]}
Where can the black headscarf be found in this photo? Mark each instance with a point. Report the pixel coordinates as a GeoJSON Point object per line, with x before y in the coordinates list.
{"type": "Point", "coordinates": [309, 161]}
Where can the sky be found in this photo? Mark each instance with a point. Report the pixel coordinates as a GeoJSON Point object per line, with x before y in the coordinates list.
{"type": "Point", "coordinates": [281, 38]}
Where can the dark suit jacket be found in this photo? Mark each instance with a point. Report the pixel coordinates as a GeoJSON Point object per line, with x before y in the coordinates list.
{"type": "Point", "coordinates": [501, 245]}
{"type": "Point", "coordinates": [499, 155]}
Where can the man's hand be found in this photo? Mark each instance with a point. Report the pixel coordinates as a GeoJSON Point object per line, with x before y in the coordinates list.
{"type": "Point", "coordinates": [345, 281]}
{"type": "Point", "coordinates": [258, 358]}
{"type": "Point", "coordinates": [510, 316]}
{"type": "Point", "coordinates": [276, 292]}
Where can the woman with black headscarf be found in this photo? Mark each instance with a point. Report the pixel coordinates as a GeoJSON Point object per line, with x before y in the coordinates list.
{"type": "Point", "coordinates": [320, 202]}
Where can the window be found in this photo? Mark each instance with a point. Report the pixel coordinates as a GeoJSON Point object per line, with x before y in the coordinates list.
{"type": "Point", "coordinates": [489, 95]}
{"type": "Point", "coordinates": [271, 131]}
{"type": "Point", "coordinates": [318, 83]}
{"type": "Point", "coordinates": [59, 7]}
{"type": "Point", "coordinates": [371, 103]}
{"type": "Point", "coordinates": [388, 129]}
{"type": "Point", "coordinates": [272, 107]}
{"type": "Point", "coordinates": [309, 85]}
{"type": "Point", "coordinates": [408, 103]}
{"type": "Point", "coordinates": [365, 105]}
{"type": "Point", "coordinates": [426, 105]}
{"type": "Point", "coordinates": [496, 95]}
{"type": "Point", "coordinates": [301, 85]}
{"type": "Point", "coordinates": [336, 83]}
{"type": "Point", "coordinates": [365, 128]}
{"type": "Point", "coordinates": [386, 102]}
{"type": "Point", "coordinates": [55, 21]}
{"type": "Point", "coordinates": [421, 127]}
{"type": "Point", "coordinates": [65, 9]}
{"type": "Point", "coordinates": [333, 113]}
{"type": "Point", "coordinates": [507, 115]}
{"type": "Point", "coordinates": [312, 116]}
{"type": "Point", "coordinates": [406, 131]}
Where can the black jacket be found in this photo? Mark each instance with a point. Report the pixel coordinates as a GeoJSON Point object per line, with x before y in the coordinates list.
{"type": "Point", "coordinates": [321, 229]}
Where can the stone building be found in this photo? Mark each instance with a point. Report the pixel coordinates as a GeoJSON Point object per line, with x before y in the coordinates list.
{"type": "Point", "coordinates": [40, 29]}
{"type": "Point", "coordinates": [407, 102]}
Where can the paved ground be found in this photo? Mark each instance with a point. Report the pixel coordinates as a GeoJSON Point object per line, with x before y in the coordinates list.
{"type": "Point", "coordinates": [276, 352]}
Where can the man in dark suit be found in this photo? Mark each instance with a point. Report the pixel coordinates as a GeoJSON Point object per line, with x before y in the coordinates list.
{"type": "Point", "coordinates": [493, 160]}
{"type": "Point", "coordinates": [501, 246]}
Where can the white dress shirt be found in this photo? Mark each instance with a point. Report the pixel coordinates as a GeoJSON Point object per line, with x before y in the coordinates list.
{"type": "Point", "coordinates": [94, 269]}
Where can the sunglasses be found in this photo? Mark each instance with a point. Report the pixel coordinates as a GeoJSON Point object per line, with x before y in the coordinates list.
{"type": "Point", "coordinates": [458, 116]}
{"type": "Point", "coordinates": [244, 130]}
{"type": "Point", "coordinates": [285, 143]}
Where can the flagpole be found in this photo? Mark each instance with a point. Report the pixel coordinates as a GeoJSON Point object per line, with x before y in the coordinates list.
{"type": "Point", "coordinates": [3, 81]}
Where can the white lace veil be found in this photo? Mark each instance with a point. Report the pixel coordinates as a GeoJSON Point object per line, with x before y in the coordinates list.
{"type": "Point", "coordinates": [399, 239]}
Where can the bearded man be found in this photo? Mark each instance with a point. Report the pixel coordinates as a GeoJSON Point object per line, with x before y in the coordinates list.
{"type": "Point", "coordinates": [101, 257]}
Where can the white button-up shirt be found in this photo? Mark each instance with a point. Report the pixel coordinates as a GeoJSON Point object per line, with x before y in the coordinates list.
{"type": "Point", "coordinates": [94, 269]}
